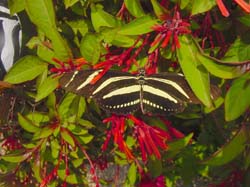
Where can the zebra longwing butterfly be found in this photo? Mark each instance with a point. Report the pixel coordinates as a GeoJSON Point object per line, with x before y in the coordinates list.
{"type": "Point", "coordinates": [123, 93]}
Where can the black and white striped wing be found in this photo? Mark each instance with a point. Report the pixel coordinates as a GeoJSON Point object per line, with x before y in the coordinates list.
{"type": "Point", "coordinates": [10, 38]}
{"type": "Point", "coordinates": [115, 92]}
{"type": "Point", "coordinates": [78, 82]}
{"type": "Point", "coordinates": [122, 100]}
{"type": "Point", "coordinates": [166, 93]}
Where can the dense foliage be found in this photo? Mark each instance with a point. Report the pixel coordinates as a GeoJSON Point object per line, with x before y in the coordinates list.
{"type": "Point", "coordinates": [53, 138]}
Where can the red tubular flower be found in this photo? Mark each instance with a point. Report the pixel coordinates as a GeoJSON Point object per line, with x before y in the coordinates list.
{"type": "Point", "coordinates": [173, 131]}
{"type": "Point", "coordinates": [149, 138]}
{"type": "Point", "coordinates": [147, 181]}
{"type": "Point", "coordinates": [117, 130]}
{"type": "Point", "coordinates": [68, 66]}
{"type": "Point", "coordinates": [111, 60]}
{"type": "Point", "coordinates": [222, 8]}
{"type": "Point", "coordinates": [169, 32]}
{"type": "Point", "coordinates": [126, 59]}
{"type": "Point", "coordinates": [245, 6]}
{"type": "Point", "coordinates": [151, 66]}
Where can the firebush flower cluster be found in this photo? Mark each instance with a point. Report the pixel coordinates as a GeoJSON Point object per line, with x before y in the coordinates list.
{"type": "Point", "coordinates": [149, 137]}
{"type": "Point", "coordinates": [169, 30]}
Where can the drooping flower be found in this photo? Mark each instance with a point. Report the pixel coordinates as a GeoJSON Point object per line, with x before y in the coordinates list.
{"type": "Point", "coordinates": [222, 8]}
{"type": "Point", "coordinates": [244, 5]}
{"type": "Point", "coordinates": [149, 138]}
{"type": "Point", "coordinates": [117, 131]}
{"type": "Point", "coordinates": [174, 133]}
{"type": "Point", "coordinates": [151, 66]}
{"type": "Point", "coordinates": [169, 31]}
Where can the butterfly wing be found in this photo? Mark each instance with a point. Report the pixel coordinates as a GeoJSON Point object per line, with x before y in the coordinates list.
{"type": "Point", "coordinates": [166, 93]}
{"type": "Point", "coordinates": [119, 94]}
{"type": "Point", "coordinates": [78, 82]}
{"type": "Point", "coordinates": [116, 92]}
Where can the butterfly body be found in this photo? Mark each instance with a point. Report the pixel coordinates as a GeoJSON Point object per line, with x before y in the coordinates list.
{"type": "Point", "coordinates": [124, 93]}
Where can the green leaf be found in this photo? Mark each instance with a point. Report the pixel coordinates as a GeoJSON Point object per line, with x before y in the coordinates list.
{"type": "Point", "coordinates": [240, 89]}
{"type": "Point", "coordinates": [85, 123]}
{"type": "Point", "coordinates": [245, 20]}
{"type": "Point", "coordinates": [177, 145]}
{"type": "Point", "coordinates": [158, 9]}
{"type": "Point", "coordinates": [134, 7]}
{"type": "Point", "coordinates": [217, 103]}
{"type": "Point", "coordinates": [196, 75]}
{"type": "Point", "coordinates": [69, 3]}
{"type": "Point", "coordinates": [78, 26]}
{"type": "Point", "coordinates": [16, 6]}
{"type": "Point", "coordinates": [238, 51]}
{"type": "Point", "coordinates": [56, 130]}
{"type": "Point", "coordinates": [77, 162]}
{"type": "Point", "coordinates": [220, 70]}
{"type": "Point", "coordinates": [41, 13]}
{"type": "Point", "coordinates": [80, 105]}
{"type": "Point", "coordinates": [130, 141]}
{"type": "Point", "coordinates": [41, 78]}
{"type": "Point", "coordinates": [26, 124]}
{"type": "Point", "coordinates": [46, 87]}
{"type": "Point", "coordinates": [184, 3]}
{"type": "Point", "coordinates": [132, 173]}
{"type": "Point", "coordinates": [44, 133]}
{"type": "Point", "coordinates": [86, 138]}
{"type": "Point", "coordinates": [67, 137]}
{"type": "Point", "coordinates": [230, 150]}
{"type": "Point", "coordinates": [51, 104]}
{"type": "Point", "coordinates": [55, 148]}
{"type": "Point", "coordinates": [72, 178]}
{"type": "Point", "coordinates": [138, 26]}
{"type": "Point", "coordinates": [100, 18]}
{"type": "Point", "coordinates": [6, 168]}
{"type": "Point", "coordinates": [202, 6]}
{"type": "Point", "coordinates": [230, 66]}
{"type": "Point", "coordinates": [16, 158]}
{"type": "Point", "coordinates": [77, 129]}
{"type": "Point", "coordinates": [90, 48]}
{"type": "Point", "coordinates": [60, 46]}
{"type": "Point", "coordinates": [112, 37]}
{"type": "Point", "coordinates": [64, 108]}
{"type": "Point", "coordinates": [27, 68]}
{"type": "Point", "coordinates": [37, 117]}
{"type": "Point", "coordinates": [37, 167]}
{"type": "Point", "coordinates": [155, 167]}
{"type": "Point", "coordinates": [45, 53]}
{"type": "Point", "coordinates": [30, 145]}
